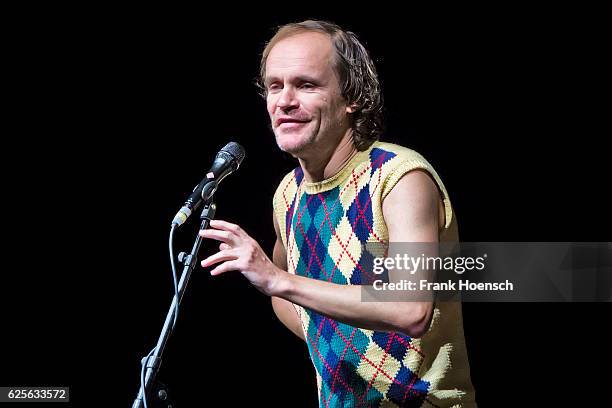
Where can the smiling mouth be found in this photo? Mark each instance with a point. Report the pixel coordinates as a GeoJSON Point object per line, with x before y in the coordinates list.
{"type": "Point", "coordinates": [292, 123]}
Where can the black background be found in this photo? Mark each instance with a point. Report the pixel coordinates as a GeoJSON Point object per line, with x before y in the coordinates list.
{"type": "Point", "coordinates": [113, 117]}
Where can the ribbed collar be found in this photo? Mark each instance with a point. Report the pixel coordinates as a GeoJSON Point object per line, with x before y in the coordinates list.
{"type": "Point", "coordinates": [338, 178]}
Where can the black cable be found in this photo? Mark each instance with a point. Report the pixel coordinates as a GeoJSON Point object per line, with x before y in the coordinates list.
{"type": "Point", "coordinates": [176, 310]}
{"type": "Point", "coordinates": [174, 277]}
{"type": "Point", "coordinates": [142, 376]}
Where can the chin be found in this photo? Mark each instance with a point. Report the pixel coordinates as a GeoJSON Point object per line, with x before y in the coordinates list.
{"type": "Point", "coordinates": [292, 143]}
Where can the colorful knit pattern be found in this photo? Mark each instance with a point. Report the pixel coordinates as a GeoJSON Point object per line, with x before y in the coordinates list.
{"type": "Point", "coordinates": [324, 228]}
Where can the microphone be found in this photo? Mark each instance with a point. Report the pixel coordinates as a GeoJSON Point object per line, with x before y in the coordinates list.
{"type": "Point", "coordinates": [226, 162]}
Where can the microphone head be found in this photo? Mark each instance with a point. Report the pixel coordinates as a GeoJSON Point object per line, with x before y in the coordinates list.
{"type": "Point", "coordinates": [236, 151]}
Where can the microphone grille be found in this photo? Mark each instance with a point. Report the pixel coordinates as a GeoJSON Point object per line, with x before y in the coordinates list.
{"type": "Point", "coordinates": [235, 150]}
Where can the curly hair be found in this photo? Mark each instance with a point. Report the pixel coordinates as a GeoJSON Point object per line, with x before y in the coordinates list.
{"type": "Point", "coordinates": [356, 72]}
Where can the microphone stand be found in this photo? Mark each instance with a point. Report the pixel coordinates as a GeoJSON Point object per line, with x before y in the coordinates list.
{"type": "Point", "coordinates": [153, 363]}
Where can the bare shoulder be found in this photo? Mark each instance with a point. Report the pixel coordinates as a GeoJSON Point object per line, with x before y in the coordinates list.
{"type": "Point", "coordinates": [414, 203]}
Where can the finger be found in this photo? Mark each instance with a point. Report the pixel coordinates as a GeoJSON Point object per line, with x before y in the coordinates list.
{"type": "Point", "coordinates": [224, 236]}
{"type": "Point", "coordinates": [227, 266]}
{"type": "Point", "coordinates": [225, 226]}
{"type": "Point", "coordinates": [224, 247]}
{"type": "Point", "coordinates": [218, 257]}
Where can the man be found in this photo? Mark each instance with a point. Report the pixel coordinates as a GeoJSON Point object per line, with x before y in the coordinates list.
{"type": "Point", "coordinates": [324, 102]}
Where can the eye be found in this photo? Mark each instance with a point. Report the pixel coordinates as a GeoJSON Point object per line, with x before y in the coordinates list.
{"type": "Point", "coordinates": [307, 85]}
{"type": "Point", "coordinates": [274, 87]}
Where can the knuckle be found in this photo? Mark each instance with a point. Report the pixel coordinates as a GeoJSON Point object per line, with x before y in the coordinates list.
{"type": "Point", "coordinates": [251, 252]}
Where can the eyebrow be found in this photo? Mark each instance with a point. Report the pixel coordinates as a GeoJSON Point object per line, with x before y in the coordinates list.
{"type": "Point", "coordinates": [300, 78]}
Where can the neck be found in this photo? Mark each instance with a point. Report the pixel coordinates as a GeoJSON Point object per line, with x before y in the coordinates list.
{"type": "Point", "coordinates": [328, 161]}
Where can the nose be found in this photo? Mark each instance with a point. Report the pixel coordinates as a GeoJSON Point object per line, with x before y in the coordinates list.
{"type": "Point", "coordinates": [287, 99]}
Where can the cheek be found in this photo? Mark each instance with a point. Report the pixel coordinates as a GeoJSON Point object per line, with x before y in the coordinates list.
{"type": "Point", "coordinates": [338, 113]}
{"type": "Point", "coordinates": [270, 104]}
{"type": "Point", "coordinates": [313, 107]}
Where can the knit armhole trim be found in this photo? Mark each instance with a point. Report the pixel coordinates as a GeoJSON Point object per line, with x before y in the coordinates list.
{"type": "Point", "coordinates": [280, 208]}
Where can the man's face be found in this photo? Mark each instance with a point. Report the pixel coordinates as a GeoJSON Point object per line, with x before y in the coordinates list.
{"type": "Point", "coordinates": [304, 101]}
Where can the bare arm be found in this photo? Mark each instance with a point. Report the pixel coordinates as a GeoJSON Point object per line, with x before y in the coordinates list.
{"type": "Point", "coordinates": [411, 214]}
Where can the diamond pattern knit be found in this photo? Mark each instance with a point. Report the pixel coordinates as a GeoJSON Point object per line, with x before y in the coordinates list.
{"type": "Point", "coordinates": [324, 227]}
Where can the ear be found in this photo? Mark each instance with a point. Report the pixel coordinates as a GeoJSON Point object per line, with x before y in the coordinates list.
{"type": "Point", "coordinates": [351, 108]}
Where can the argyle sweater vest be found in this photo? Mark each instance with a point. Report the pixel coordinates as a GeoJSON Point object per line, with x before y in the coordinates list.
{"type": "Point", "coordinates": [323, 226]}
